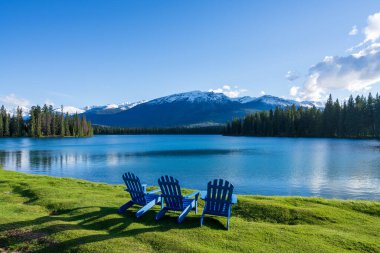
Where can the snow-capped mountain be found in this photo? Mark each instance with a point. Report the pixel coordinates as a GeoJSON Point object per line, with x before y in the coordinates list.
{"type": "Point", "coordinates": [192, 97]}
{"type": "Point", "coordinates": [70, 110]}
{"type": "Point", "coordinates": [270, 101]}
{"type": "Point", "coordinates": [212, 97]}
{"type": "Point", "coordinates": [111, 108]}
{"type": "Point", "coordinates": [182, 109]}
{"type": "Point", "coordinates": [188, 108]}
{"type": "Point", "coordinates": [12, 110]}
{"type": "Point", "coordinates": [201, 97]}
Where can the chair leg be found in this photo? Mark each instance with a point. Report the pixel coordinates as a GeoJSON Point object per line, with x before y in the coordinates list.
{"type": "Point", "coordinates": [196, 206]}
{"type": "Point", "coordinates": [228, 217]}
{"type": "Point", "coordinates": [161, 213]}
{"type": "Point", "coordinates": [145, 208]}
{"type": "Point", "coordinates": [184, 213]}
{"type": "Point", "coordinates": [202, 219]}
{"type": "Point", "coordinates": [124, 207]}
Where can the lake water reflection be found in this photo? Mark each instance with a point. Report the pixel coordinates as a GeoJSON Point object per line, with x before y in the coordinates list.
{"type": "Point", "coordinates": [270, 166]}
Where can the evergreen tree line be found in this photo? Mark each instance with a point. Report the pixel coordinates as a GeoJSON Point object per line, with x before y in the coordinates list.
{"type": "Point", "coordinates": [43, 122]}
{"type": "Point", "coordinates": [355, 118]}
{"type": "Point", "coordinates": [172, 130]}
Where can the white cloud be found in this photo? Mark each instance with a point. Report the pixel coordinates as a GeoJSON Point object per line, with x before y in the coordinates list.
{"type": "Point", "coordinates": [372, 31]}
{"type": "Point", "coordinates": [354, 31]}
{"type": "Point", "coordinates": [328, 59]}
{"type": "Point", "coordinates": [12, 100]}
{"type": "Point", "coordinates": [294, 91]}
{"type": "Point", "coordinates": [291, 76]}
{"type": "Point", "coordinates": [229, 91]}
{"type": "Point", "coordinates": [352, 73]}
{"type": "Point", "coordinates": [355, 72]}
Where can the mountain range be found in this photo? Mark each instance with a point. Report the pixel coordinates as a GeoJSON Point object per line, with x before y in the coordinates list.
{"type": "Point", "coordinates": [195, 108]}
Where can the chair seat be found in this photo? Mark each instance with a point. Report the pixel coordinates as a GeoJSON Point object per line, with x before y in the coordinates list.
{"type": "Point", "coordinates": [147, 198]}
{"type": "Point", "coordinates": [186, 203]}
{"type": "Point", "coordinates": [150, 197]}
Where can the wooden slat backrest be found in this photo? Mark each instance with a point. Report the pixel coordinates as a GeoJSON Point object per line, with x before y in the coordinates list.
{"type": "Point", "coordinates": [171, 192]}
{"type": "Point", "coordinates": [219, 195]}
{"type": "Point", "coordinates": [134, 188]}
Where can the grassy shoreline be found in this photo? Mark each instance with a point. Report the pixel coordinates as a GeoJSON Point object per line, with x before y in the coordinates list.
{"type": "Point", "coordinates": [48, 214]}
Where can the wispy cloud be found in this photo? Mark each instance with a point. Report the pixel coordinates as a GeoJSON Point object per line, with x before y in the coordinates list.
{"type": "Point", "coordinates": [355, 72]}
{"type": "Point", "coordinates": [291, 76]}
{"type": "Point", "coordinates": [353, 31]}
{"type": "Point", "coordinates": [11, 101]}
{"type": "Point", "coordinates": [229, 91]}
{"type": "Point", "coordinates": [372, 30]}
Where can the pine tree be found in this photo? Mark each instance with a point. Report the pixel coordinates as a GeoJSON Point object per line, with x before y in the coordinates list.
{"type": "Point", "coordinates": [38, 122]}
{"type": "Point", "coordinates": [377, 116]}
{"type": "Point", "coordinates": [20, 122]}
{"type": "Point", "coordinates": [67, 127]}
{"type": "Point", "coordinates": [370, 115]}
{"type": "Point", "coordinates": [32, 122]}
{"type": "Point", "coordinates": [62, 123]}
{"type": "Point", "coordinates": [2, 121]}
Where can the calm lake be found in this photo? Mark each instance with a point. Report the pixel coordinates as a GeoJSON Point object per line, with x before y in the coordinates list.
{"type": "Point", "coordinates": [268, 166]}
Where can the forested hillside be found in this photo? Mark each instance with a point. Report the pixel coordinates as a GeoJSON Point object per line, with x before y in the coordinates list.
{"type": "Point", "coordinates": [356, 118]}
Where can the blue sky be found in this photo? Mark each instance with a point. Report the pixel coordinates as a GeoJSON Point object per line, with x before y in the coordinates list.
{"type": "Point", "coordinates": [98, 52]}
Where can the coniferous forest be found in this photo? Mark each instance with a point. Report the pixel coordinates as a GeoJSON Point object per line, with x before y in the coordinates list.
{"type": "Point", "coordinates": [356, 118]}
{"type": "Point", "coordinates": [43, 122]}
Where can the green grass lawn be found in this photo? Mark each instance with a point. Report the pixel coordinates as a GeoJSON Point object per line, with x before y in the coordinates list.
{"type": "Point", "coordinates": [47, 214]}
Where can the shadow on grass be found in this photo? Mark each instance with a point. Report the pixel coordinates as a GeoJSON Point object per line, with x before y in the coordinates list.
{"type": "Point", "coordinates": [104, 222]}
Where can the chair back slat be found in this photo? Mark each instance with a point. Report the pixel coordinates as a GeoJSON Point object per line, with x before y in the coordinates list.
{"type": "Point", "coordinates": [171, 192]}
{"type": "Point", "coordinates": [219, 196]}
{"type": "Point", "coordinates": [134, 187]}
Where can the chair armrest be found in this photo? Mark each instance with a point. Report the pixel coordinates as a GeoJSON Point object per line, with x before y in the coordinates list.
{"type": "Point", "coordinates": [144, 187]}
{"type": "Point", "coordinates": [154, 191]}
{"type": "Point", "coordinates": [194, 194]}
{"type": "Point", "coordinates": [234, 199]}
{"type": "Point", "coordinates": [203, 195]}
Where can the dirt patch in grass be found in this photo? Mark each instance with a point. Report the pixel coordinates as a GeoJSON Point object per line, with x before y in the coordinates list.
{"type": "Point", "coordinates": [30, 236]}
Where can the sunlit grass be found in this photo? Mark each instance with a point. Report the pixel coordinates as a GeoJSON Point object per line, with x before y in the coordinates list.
{"type": "Point", "coordinates": [47, 214]}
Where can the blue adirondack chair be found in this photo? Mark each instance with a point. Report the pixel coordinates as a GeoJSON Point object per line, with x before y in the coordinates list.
{"type": "Point", "coordinates": [219, 199]}
{"type": "Point", "coordinates": [139, 195]}
{"type": "Point", "coordinates": [172, 196]}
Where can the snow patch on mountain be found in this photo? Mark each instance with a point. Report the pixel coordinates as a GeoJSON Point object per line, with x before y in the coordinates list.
{"type": "Point", "coordinates": [122, 106]}
{"type": "Point", "coordinates": [70, 110]}
{"type": "Point", "coordinates": [112, 106]}
{"type": "Point", "coordinates": [13, 110]}
{"type": "Point", "coordinates": [243, 100]}
{"type": "Point", "coordinates": [129, 105]}
{"type": "Point", "coordinates": [282, 102]}
{"type": "Point", "coordinates": [193, 97]}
